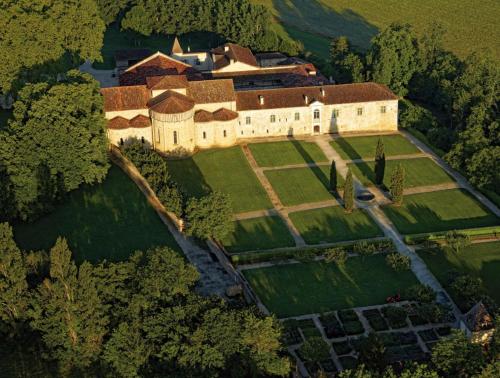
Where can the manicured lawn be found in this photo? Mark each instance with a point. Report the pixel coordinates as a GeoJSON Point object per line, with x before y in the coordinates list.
{"type": "Point", "coordinates": [439, 211]}
{"type": "Point", "coordinates": [418, 172]}
{"type": "Point", "coordinates": [107, 221]}
{"type": "Point", "coordinates": [363, 147]}
{"type": "Point", "coordinates": [275, 154]}
{"type": "Point", "coordinates": [480, 260]}
{"type": "Point", "coordinates": [302, 185]}
{"type": "Point", "coordinates": [259, 233]}
{"type": "Point", "coordinates": [225, 170]}
{"type": "Point", "coordinates": [332, 224]}
{"type": "Point", "coordinates": [296, 289]}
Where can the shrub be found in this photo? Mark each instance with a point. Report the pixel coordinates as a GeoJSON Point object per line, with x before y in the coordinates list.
{"type": "Point", "coordinates": [314, 349]}
{"type": "Point", "coordinates": [398, 262]}
{"type": "Point", "coordinates": [372, 352]}
{"type": "Point", "coordinates": [354, 327]}
{"type": "Point", "coordinates": [375, 319]}
{"type": "Point", "coordinates": [431, 312]}
{"type": "Point", "coordinates": [342, 347]}
{"type": "Point", "coordinates": [468, 289]}
{"type": "Point", "coordinates": [363, 248]}
{"type": "Point", "coordinates": [457, 241]}
{"type": "Point", "coordinates": [396, 316]}
{"type": "Point", "coordinates": [337, 255]}
{"type": "Point", "coordinates": [332, 326]}
{"type": "Point", "coordinates": [305, 255]}
{"type": "Point", "coordinates": [420, 293]}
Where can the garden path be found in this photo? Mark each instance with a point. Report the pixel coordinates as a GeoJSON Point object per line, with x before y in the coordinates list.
{"type": "Point", "coordinates": [255, 214]}
{"type": "Point", "coordinates": [418, 155]}
{"type": "Point", "coordinates": [431, 188]}
{"type": "Point", "coordinates": [289, 166]}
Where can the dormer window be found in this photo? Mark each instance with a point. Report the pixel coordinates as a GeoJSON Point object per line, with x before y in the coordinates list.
{"type": "Point", "coordinates": [322, 92]}
{"type": "Point", "coordinates": [306, 99]}
{"type": "Point", "coordinates": [261, 100]}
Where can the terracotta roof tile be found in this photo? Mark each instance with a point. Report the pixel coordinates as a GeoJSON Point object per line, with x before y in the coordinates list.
{"type": "Point", "coordinates": [118, 123]}
{"type": "Point", "coordinates": [224, 114]}
{"type": "Point", "coordinates": [210, 91]}
{"type": "Point", "coordinates": [295, 97]}
{"type": "Point", "coordinates": [235, 52]}
{"type": "Point", "coordinates": [171, 102]}
{"type": "Point", "coordinates": [167, 82]}
{"type": "Point", "coordinates": [140, 122]}
{"type": "Point", "coordinates": [203, 116]}
{"type": "Point", "coordinates": [125, 98]}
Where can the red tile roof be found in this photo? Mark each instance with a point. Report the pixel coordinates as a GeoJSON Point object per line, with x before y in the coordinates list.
{"type": "Point", "coordinates": [167, 82]}
{"type": "Point", "coordinates": [171, 102]}
{"type": "Point", "coordinates": [221, 114]}
{"type": "Point", "coordinates": [203, 116]}
{"type": "Point", "coordinates": [118, 123]}
{"type": "Point", "coordinates": [125, 98]}
{"type": "Point", "coordinates": [140, 122]}
{"type": "Point", "coordinates": [210, 91]}
{"type": "Point", "coordinates": [235, 52]}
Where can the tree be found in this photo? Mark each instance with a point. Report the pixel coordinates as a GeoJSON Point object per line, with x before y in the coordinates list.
{"type": "Point", "coordinates": [455, 356]}
{"type": "Point", "coordinates": [468, 289]}
{"type": "Point", "coordinates": [397, 184]}
{"type": "Point", "coordinates": [56, 141]}
{"type": "Point", "coordinates": [349, 192]}
{"type": "Point", "coordinates": [372, 352]}
{"type": "Point", "coordinates": [333, 177]}
{"type": "Point", "coordinates": [109, 9]}
{"type": "Point", "coordinates": [14, 296]}
{"type": "Point", "coordinates": [347, 66]}
{"type": "Point", "coordinates": [457, 241]}
{"type": "Point", "coordinates": [337, 255]}
{"type": "Point", "coordinates": [379, 162]}
{"type": "Point", "coordinates": [209, 217]}
{"type": "Point", "coordinates": [398, 262]}
{"type": "Point", "coordinates": [68, 311]}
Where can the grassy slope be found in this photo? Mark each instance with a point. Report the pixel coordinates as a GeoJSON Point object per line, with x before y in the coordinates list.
{"type": "Point", "coordinates": [470, 26]}
{"type": "Point", "coordinates": [439, 211]}
{"type": "Point", "coordinates": [275, 154]}
{"type": "Point", "coordinates": [418, 172]}
{"type": "Point", "coordinates": [296, 289]}
{"type": "Point", "coordinates": [225, 170]}
{"type": "Point", "coordinates": [258, 233]}
{"type": "Point", "coordinates": [332, 224]}
{"type": "Point", "coordinates": [480, 260]}
{"type": "Point", "coordinates": [106, 221]}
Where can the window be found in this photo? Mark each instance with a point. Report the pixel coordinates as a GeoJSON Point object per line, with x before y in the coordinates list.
{"type": "Point", "coordinates": [121, 141]}
{"type": "Point", "coordinates": [316, 114]}
{"type": "Point", "coordinates": [142, 140]}
{"type": "Point", "coordinates": [382, 109]}
{"type": "Point", "coordinates": [175, 137]}
{"type": "Point", "coordinates": [335, 113]}
{"type": "Point", "coordinates": [267, 131]}
{"type": "Point", "coordinates": [297, 116]}
{"type": "Point", "coordinates": [248, 120]}
{"type": "Point", "coordinates": [225, 134]}
{"type": "Point", "coordinates": [273, 118]}
{"type": "Point", "coordinates": [204, 135]}
{"type": "Point", "coordinates": [360, 111]}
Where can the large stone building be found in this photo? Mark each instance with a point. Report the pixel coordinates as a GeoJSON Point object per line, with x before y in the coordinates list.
{"type": "Point", "coordinates": [212, 98]}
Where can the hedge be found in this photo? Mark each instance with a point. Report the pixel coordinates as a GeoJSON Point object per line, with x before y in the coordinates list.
{"type": "Point", "coordinates": [474, 233]}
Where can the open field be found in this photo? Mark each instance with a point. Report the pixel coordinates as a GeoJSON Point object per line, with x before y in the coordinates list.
{"type": "Point", "coordinates": [332, 224]}
{"type": "Point", "coordinates": [479, 260]}
{"type": "Point", "coordinates": [295, 186]}
{"type": "Point", "coordinates": [107, 221]}
{"type": "Point", "coordinates": [418, 172]}
{"type": "Point", "coordinates": [439, 211]}
{"type": "Point", "coordinates": [305, 288]}
{"type": "Point", "coordinates": [363, 147]}
{"type": "Point", "coordinates": [275, 154]}
{"type": "Point", "coordinates": [258, 233]}
{"type": "Point", "coordinates": [225, 170]}
{"type": "Point", "coordinates": [470, 26]}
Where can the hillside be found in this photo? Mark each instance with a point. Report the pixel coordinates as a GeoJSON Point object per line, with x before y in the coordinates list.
{"type": "Point", "coordinates": [470, 24]}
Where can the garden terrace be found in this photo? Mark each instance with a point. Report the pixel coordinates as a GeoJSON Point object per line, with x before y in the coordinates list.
{"type": "Point", "coordinates": [275, 154]}
{"type": "Point", "coordinates": [439, 211]}
{"type": "Point", "coordinates": [88, 216]}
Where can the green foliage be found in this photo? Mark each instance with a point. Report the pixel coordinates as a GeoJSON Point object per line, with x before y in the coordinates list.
{"type": "Point", "coordinates": [455, 356]}
{"type": "Point", "coordinates": [365, 248]}
{"type": "Point", "coordinates": [372, 352]}
{"type": "Point", "coordinates": [379, 162]}
{"type": "Point", "coordinates": [349, 192]}
{"type": "Point", "coordinates": [314, 349]}
{"type": "Point", "coordinates": [468, 289]}
{"type": "Point", "coordinates": [395, 315]}
{"type": "Point", "coordinates": [398, 262]}
{"type": "Point", "coordinates": [337, 255]}
{"type": "Point", "coordinates": [109, 9]}
{"type": "Point", "coordinates": [55, 143]}
{"type": "Point", "coordinates": [431, 312]}
{"type": "Point", "coordinates": [420, 293]}
{"type": "Point", "coordinates": [397, 184]}
{"type": "Point", "coordinates": [333, 176]}
{"type": "Point", "coordinates": [347, 66]}
{"type": "Point", "coordinates": [457, 241]}
{"type": "Point", "coordinates": [209, 217]}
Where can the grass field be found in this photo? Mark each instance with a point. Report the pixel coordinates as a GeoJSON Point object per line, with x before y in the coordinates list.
{"type": "Point", "coordinates": [296, 289]}
{"type": "Point", "coordinates": [363, 147]}
{"type": "Point", "coordinates": [480, 260]}
{"type": "Point", "coordinates": [332, 224]}
{"type": "Point", "coordinates": [295, 186]}
{"type": "Point", "coordinates": [470, 26]}
{"type": "Point", "coordinates": [106, 221]}
{"type": "Point", "coordinates": [258, 233]}
{"type": "Point", "coordinates": [275, 154]}
{"type": "Point", "coordinates": [418, 172]}
{"type": "Point", "coordinates": [439, 211]}
{"type": "Point", "coordinates": [225, 170]}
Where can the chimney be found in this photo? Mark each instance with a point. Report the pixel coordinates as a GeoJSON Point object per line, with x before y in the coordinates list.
{"type": "Point", "coordinates": [322, 92]}
{"type": "Point", "coordinates": [261, 100]}
{"type": "Point", "coordinates": [306, 99]}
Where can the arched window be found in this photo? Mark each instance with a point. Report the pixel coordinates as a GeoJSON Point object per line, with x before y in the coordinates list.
{"type": "Point", "coordinates": [225, 133]}
{"type": "Point", "coordinates": [316, 114]}
{"type": "Point", "coordinates": [175, 137]}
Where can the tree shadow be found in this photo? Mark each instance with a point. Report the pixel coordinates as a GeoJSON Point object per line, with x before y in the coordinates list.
{"type": "Point", "coordinates": [313, 16]}
{"type": "Point", "coordinates": [348, 149]}
{"type": "Point", "coordinates": [489, 275]}
{"type": "Point", "coordinates": [189, 176]}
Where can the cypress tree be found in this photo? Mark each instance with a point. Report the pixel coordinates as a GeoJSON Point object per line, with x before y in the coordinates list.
{"type": "Point", "coordinates": [333, 176]}
{"type": "Point", "coordinates": [397, 184]}
{"type": "Point", "coordinates": [379, 162]}
{"type": "Point", "coordinates": [349, 193]}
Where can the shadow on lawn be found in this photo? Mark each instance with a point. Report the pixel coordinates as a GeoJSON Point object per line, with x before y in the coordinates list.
{"type": "Point", "coordinates": [189, 177]}
{"type": "Point", "coordinates": [348, 149]}
{"type": "Point", "coordinates": [489, 275]}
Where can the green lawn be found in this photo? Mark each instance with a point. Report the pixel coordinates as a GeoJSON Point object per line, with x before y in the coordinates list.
{"type": "Point", "coordinates": [259, 233]}
{"type": "Point", "coordinates": [225, 170]}
{"type": "Point", "coordinates": [275, 154]}
{"type": "Point", "coordinates": [469, 26]}
{"type": "Point", "coordinates": [363, 147]}
{"type": "Point", "coordinates": [480, 260]}
{"type": "Point", "coordinates": [332, 224]}
{"type": "Point", "coordinates": [106, 221]}
{"type": "Point", "coordinates": [295, 186]}
{"type": "Point", "coordinates": [419, 172]}
{"type": "Point", "coordinates": [297, 289]}
{"type": "Point", "coordinates": [439, 211]}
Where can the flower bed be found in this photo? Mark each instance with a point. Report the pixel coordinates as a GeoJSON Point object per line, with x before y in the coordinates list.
{"type": "Point", "coordinates": [342, 348]}
{"type": "Point", "coordinates": [376, 320]}
{"type": "Point", "coordinates": [332, 326]}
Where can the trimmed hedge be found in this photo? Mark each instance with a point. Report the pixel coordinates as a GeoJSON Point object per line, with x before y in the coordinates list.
{"type": "Point", "coordinates": [474, 233]}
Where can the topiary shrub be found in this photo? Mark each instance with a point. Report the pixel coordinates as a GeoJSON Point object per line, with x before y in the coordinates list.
{"type": "Point", "coordinates": [336, 255]}
{"type": "Point", "coordinates": [364, 248]}
{"type": "Point", "coordinates": [398, 262]}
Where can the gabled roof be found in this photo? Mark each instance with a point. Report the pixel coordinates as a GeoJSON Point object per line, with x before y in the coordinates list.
{"type": "Point", "coordinates": [221, 114]}
{"type": "Point", "coordinates": [176, 47]}
{"type": "Point", "coordinates": [171, 102]}
{"type": "Point", "coordinates": [203, 116]}
{"type": "Point", "coordinates": [234, 52]}
{"type": "Point", "coordinates": [210, 91]}
{"type": "Point", "coordinates": [167, 82]}
{"type": "Point", "coordinates": [140, 122]}
{"type": "Point", "coordinates": [125, 98]}
{"type": "Point", "coordinates": [120, 123]}
{"type": "Point", "coordinates": [478, 318]}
